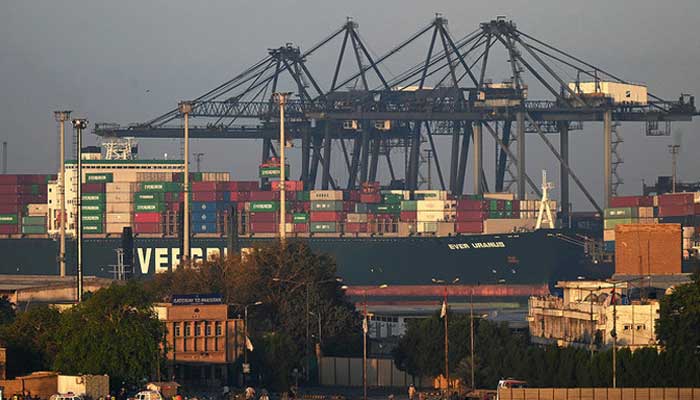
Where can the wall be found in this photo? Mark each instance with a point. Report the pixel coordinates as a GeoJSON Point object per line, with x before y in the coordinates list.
{"type": "Point", "coordinates": [341, 371]}
{"type": "Point", "coordinates": [644, 249]}
{"type": "Point", "coordinates": [600, 394]}
{"type": "Point", "coordinates": [3, 363]}
{"type": "Point", "coordinates": [89, 386]}
{"type": "Point", "coordinates": [42, 384]}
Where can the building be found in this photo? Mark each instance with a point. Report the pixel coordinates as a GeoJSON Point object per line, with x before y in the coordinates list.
{"type": "Point", "coordinates": [3, 363]}
{"type": "Point", "coordinates": [586, 315]}
{"type": "Point", "coordinates": [204, 339]}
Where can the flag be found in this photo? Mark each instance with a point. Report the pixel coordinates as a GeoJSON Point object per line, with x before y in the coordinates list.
{"type": "Point", "coordinates": [248, 344]}
{"type": "Point", "coordinates": [443, 311]}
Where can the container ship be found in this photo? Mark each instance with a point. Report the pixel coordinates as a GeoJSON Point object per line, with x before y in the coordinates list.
{"type": "Point", "coordinates": [132, 220]}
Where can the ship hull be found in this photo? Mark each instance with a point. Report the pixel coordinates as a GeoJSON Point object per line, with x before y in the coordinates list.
{"type": "Point", "coordinates": [533, 259]}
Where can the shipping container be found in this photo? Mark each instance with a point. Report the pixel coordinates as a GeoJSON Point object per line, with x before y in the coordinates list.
{"type": "Point", "coordinates": [300, 218]}
{"type": "Point", "coordinates": [392, 198]}
{"type": "Point", "coordinates": [619, 93]}
{"type": "Point", "coordinates": [471, 205]}
{"type": "Point", "coordinates": [240, 186]}
{"type": "Point", "coordinates": [93, 228]}
{"type": "Point", "coordinates": [147, 227]}
{"type": "Point", "coordinates": [264, 196]}
{"type": "Point", "coordinates": [8, 229]}
{"type": "Point", "coordinates": [434, 205]}
{"type": "Point", "coordinates": [92, 187]}
{"type": "Point", "coordinates": [149, 197]}
{"type": "Point", "coordinates": [672, 199]}
{"type": "Point", "coordinates": [34, 220]}
{"type": "Point", "coordinates": [361, 208]}
{"type": "Point", "coordinates": [370, 198]}
{"type": "Point", "coordinates": [608, 235]}
{"type": "Point", "coordinates": [264, 227]}
{"type": "Point", "coordinates": [33, 229]}
{"type": "Point", "coordinates": [149, 207]}
{"type": "Point", "coordinates": [204, 227]}
{"type": "Point", "coordinates": [621, 212]}
{"type": "Point", "coordinates": [384, 208]}
{"type": "Point", "coordinates": [499, 196]}
{"type": "Point", "coordinates": [470, 215]}
{"type": "Point", "coordinates": [612, 223]}
{"type": "Point", "coordinates": [326, 205]}
{"type": "Point", "coordinates": [356, 227]}
{"type": "Point", "coordinates": [323, 227]}
{"type": "Point", "coordinates": [199, 217]}
{"type": "Point", "coordinates": [216, 176]}
{"type": "Point", "coordinates": [147, 217]}
{"type": "Point", "coordinates": [98, 178]}
{"type": "Point", "coordinates": [160, 187]}
{"type": "Point", "coordinates": [291, 186]}
{"type": "Point", "coordinates": [8, 219]}
{"type": "Point", "coordinates": [326, 195]}
{"type": "Point", "coordinates": [93, 198]}
{"type": "Point", "coordinates": [408, 216]}
{"type": "Point", "coordinates": [326, 216]}
{"type": "Point", "coordinates": [204, 186]}
{"type": "Point", "coordinates": [36, 210]}
{"type": "Point", "coordinates": [469, 227]}
{"type": "Point", "coordinates": [304, 196]}
{"type": "Point", "coordinates": [301, 227]}
{"type": "Point", "coordinates": [676, 210]}
{"type": "Point", "coordinates": [648, 249]}
{"type": "Point", "coordinates": [150, 176]}
{"type": "Point", "coordinates": [356, 218]}
{"type": "Point", "coordinates": [264, 206]}
{"type": "Point", "coordinates": [430, 195]}
{"type": "Point", "coordinates": [120, 187]}
{"type": "Point", "coordinates": [125, 218]}
{"type": "Point", "coordinates": [631, 201]}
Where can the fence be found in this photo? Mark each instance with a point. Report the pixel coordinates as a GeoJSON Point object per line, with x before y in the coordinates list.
{"type": "Point", "coordinates": [600, 394]}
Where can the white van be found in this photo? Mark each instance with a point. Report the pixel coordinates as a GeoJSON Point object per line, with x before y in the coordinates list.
{"type": "Point", "coordinates": [66, 396]}
{"type": "Point", "coordinates": [148, 395]}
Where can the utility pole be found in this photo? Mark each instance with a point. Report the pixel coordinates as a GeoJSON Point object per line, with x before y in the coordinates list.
{"type": "Point", "coordinates": [614, 336]}
{"type": "Point", "coordinates": [186, 109]}
{"type": "Point", "coordinates": [198, 158]}
{"type": "Point", "coordinates": [79, 124]}
{"type": "Point", "coordinates": [245, 334]}
{"type": "Point", "coordinates": [61, 117]}
{"type": "Point", "coordinates": [471, 335]}
{"type": "Point", "coordinates": [674, 149]}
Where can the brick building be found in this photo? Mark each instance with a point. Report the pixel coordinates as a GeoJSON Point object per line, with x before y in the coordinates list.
{"type": "Point", "coordinates": [204, 339]}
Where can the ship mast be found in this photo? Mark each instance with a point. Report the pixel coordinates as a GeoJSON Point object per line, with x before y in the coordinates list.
{"type": "Point", "coordinates": [545, 212]}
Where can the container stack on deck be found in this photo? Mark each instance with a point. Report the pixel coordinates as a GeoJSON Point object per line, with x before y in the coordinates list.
{"type": "Point", "coordinates": [23, 198]}
{"type": "Point", "coordinates": [676, 208]}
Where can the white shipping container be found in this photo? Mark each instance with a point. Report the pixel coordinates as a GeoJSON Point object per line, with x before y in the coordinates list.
{"type": "Point", "coordinates": [433, 216]}
{"type": "Point", "coordinates": [646, 212]}
{"type": "Point", "coordinates": [119, 207]}
{"type": "Point", "coordinates": [150, 176]}
{"type": "Point", "coordinates": [119, 217]}
{"type": "Point", "coordinates": [326, 195]}
{"type": "Point", "coordinates": [112, 197]}
{"type": "Point", "coordinates": [124, 176]}
{"type": "Point", "coordinates": [431, 194]}
{"type": "Point", "coordinates": [499, 196]}
{"type": "Point", "coordinates": [620, 93]}
{"type": "Point", "coordinates": [37, 209]}
{"type": "Point", "coordinates": [120, 187]}
{"type": "Point", "coordinates": [355, 217]}
{"type": "Point", "coordinates": [434, 205]}
{"type": "Point", "coordinates": [426, 227]}
{"type": "Point", "coordinates": [216, 176]}
{"type": "Point", "coordinates": [508, 225]}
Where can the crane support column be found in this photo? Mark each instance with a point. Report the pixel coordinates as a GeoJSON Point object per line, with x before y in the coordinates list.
{"type": "Point", "coordinates": [607, 157]}
{"type": "Point", "coordinates": [326, 177]}
{"type": "Point", "coordinates": [478, 158]}
{"type": "Point", "coordinates": [454, 157]}
{"type": "Point", "coordinates": [464, 152]}
{"type": "Point", "coordinates": [563, 172]}
{"type": "Point", "coordinates": [520, 122]}
{"type": "Point", "coordinates": [364, 163]}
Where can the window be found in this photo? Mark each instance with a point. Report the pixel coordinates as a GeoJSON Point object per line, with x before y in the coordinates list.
{"type": "Point", "coordinates": [641, 327]}
{"type": "Point", "coordinates": [207, 329]}
{"type": "Point", "coordinates": [187, 329]}
{"type": "Point", "coordinates": [197, 329]}
{"type": "Point", "coordinates": [176, 329]}
{"type": "Point", "coordinates": [219, 331]}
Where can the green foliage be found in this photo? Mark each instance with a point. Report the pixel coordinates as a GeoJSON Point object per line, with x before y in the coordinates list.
{"type": "Point", "coordinates": [502, 353]}
{"type": "Point", "coordinates": [277, 360]}
{"type": "Point", "coordinates": [7, 310]}
{"type": "Point", "coordinates": [678, 326]}
{"type": "Point", "coordinates": [114, 331]}
{"type": "Point", "coordinates": [31, 340]}
{"type": "Point", "coordinates": [279, 276]}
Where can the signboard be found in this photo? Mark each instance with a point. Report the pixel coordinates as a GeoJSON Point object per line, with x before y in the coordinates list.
{"type": "Point", "coordinates": [196, 299]}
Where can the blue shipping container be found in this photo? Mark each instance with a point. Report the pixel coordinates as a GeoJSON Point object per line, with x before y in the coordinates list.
{"type": "Point", "coordinates": [203, 206]}
{"type": "Point", "coordinates": [207, 227]}
{"type": "Point", "coordinates": [203, 217]}
{"type": "Point", "coordinates": [609, 246]}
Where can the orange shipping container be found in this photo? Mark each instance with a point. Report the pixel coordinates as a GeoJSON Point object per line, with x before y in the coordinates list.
{"type": "Point", "coordinates": [648, 249]}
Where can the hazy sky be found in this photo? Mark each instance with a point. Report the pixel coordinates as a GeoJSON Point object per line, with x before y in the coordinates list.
{"type": "Point", "coordinates": [130, 60]}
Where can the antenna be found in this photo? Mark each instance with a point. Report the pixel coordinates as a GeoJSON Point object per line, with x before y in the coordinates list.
{"type": "Point", "coordinates": [674, 149]}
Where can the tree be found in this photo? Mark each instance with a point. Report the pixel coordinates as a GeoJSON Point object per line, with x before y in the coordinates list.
{"type": "Point", "coordinates": [678, 326]}
{"type": "Point", "coordinates": [115, 332]}
{"type": "Point", "coordinates": [30, 340]}
{"type": "Point", "coordinates": [7, 310]}
{"type": "Point", "coordinates": [281, 277]}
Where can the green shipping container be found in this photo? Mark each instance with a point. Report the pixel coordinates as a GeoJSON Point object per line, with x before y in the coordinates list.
{"type": "Point", "coordinates": [509, 205]}
{"type": "Point", "coordinates": [93, 198]}
{"type": "Point", "coordinates": [8, 219]}
{"type": "Point", "coordinates": [409, 205]}
{"type": "Point", "coordinates": [92, 218]}
{"type": "Point", "coordinates": [149, 207]}
{"type": "Point", "coordinates": [264, 206]}
{"type": "Point", "coordinates": [35, 189]}
{"type": "Point", "coordinates": [97, 208]}
{"type": "Point", "coordinates": [392, 198]}
{"type": "Point", "coordinates": [149, 197]}
{"type": "Point", "coordinates": [621, 212]}
{"type": "Point", "coordinates": [304, 196]}
{"type": "Point", "coordinates": [93, 228]}
{"type": "Point", "coordinates": [36, 221]}
{"type": "Point", "coordinates": [323, 227]}
{"type": "Point", "coordinates": [300, 218]}
{"type": "Point", "coordinates": [361, 208]}
{"type": "Point", "coordinates": [611, 223]}
{"type": "Point", "coordinates": [272, 172]}
{"type": "Point", "coordinates": [493, 205]}
{"type": "Point", "coordinates": [385, 208]}
{"type": "Point", "coordinates": [33, 229]}
{"type": "Point", "coordinates": [327, 205]}
{"type": "Point", "coordinates": [99, 178]}
{"type": "Point", "coordinates": [160, 187]}
{"type": "Point", "coordinates": [494, 214]}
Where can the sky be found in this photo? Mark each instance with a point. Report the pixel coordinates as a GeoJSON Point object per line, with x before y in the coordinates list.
{"type": "Point", "coordinates": [132, 60]}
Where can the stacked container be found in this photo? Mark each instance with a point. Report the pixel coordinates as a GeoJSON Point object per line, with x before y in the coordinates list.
{"type": "Point", "coordinates": [17, 192]}
{"type": "Point", "coordinates": [93, 207]}
{"type": "Point", "coordinates": [119, 205]}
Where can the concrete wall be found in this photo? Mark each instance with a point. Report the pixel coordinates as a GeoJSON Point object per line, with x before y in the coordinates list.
{"type": "Point", "coordinates": [600, 394]}
{"type": "Point", "coordinates": [42, 384]}
{"type": "Point", "coordinates": [89, 386]}
{"type": "Point", "coordinates": [381, 373]}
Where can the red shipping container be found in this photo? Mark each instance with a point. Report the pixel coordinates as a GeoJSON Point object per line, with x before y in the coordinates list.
{"type": "Point", "coordinates": [676, 210]}
{"type": "Point", "coordinates": [348, 206]}
{"type": "Point", "coordinates": [264, 196]}
{"type": "Point", "coordinates": [148, 218]}
{"type": "Point", "coordinates": [291, 186]}
{"type": "Point", "coordinates": [470, 215]}
{"type": "Point", "coordinates": [356, 227]}
{"type": "Point", "coordinates": [239, 196]}
{"type": "Point", "coordinates": [370, 198]}
{"type": "Point", "coordinates": [207, 196]}
{"type": "Point", "coordinates": [93, 187]}
{"type": "Point", "coordinates": [204, 187]}
{"type": "Point", "coordinates": [10, 189]}
{"type": "Point", "coordinates": [632, 201]}
{"type": "Point", "coordinates": [264, 217]}
{"type": "Point", "coordinates": [145, 227]}
{"type": "Point", "coordinates": [9, 208]}
{"type": "Point", "coordinates": [174, 206]}
{"type": "Point", "coordinates": [301, 228]}
{"type": "Point", "coordinates": [466, 204]}
{"type": "Point", "coordinates": [10, 199]}
{"type": "Point", "coordinates": [8, 229]}
{"type": "Point", "coordinates": [240, 186]}
{"type": "Point", "coordinates": [469, 226]}
{"type": "Point", "coordinates": [516, 205]}
{"type": "Point", "coordinates": [326, 216]}
{"type": "Point", "coordinates": [354, 195]}
{"type": "Point", "coordinates": [34, 179]}
{"type": "Point", "coordinates": [697, 212]}
{"type": "Point", "coordinates": [675, 199]}
{"type": "Point", "coordinates": [9, 179]}
{"type": "Point", "coordinates": [409, 215]}
{"type": "Point", "coordinates": [264, 227]}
